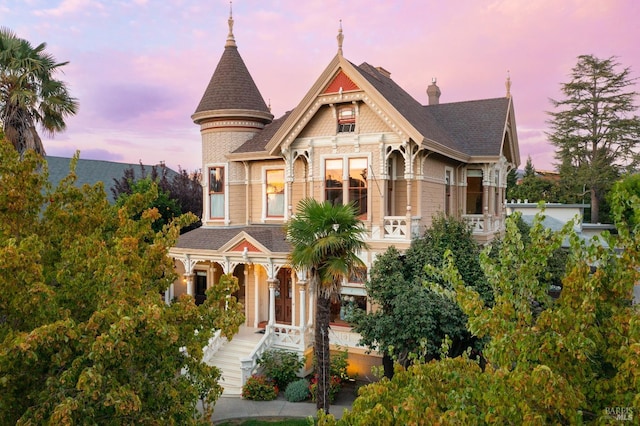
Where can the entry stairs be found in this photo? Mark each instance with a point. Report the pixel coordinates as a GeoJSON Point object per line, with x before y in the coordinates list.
{"type": "Point", "coordinates": [228, 357]}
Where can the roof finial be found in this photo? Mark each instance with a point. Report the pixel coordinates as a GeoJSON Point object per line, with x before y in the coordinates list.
{"type": "Point", "coordinates": [231, 41]}
{"type": "Point", "coordinates": [340, 39]}
{"type": "Point", "coordinates": [507, 84]}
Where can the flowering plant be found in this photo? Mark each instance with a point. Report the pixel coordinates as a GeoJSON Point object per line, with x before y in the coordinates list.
{"type": "Point", "coordinates": [335, 384]}
{"type": "Point", "coordinates": [259, 388]}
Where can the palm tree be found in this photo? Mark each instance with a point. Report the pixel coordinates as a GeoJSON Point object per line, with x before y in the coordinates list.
{"type": "Point", "coordinates": [325, 239]}
{"type": "Point", "coordinates": [28, 93]}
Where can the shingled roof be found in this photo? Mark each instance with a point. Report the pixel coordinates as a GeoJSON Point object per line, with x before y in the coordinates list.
{"type": "Point", "coordinates": [408, 107]}
{"type": "Point", "coordinates": [231, 86]}
{"type": "Point", "coordinates": [270, 236]}
{"type": "Point", "coordinates": [262, 138]}
{"type": "Point", "coordinates": [90, 172]}
{"type": "Point", "coordinates": [476, 126]}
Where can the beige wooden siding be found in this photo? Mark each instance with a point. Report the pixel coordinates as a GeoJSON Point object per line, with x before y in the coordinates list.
{"type": "Point", "coordinates": [368, 121]}
{"type": "Point", "coordinates": [323, 123]}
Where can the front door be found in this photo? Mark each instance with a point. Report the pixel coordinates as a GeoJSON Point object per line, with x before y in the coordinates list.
{"type": "Point", "coordinates": [284, 292]}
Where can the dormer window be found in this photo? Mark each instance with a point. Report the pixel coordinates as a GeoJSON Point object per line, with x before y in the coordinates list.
{"type": "Point", "coordinates": [346, 119]}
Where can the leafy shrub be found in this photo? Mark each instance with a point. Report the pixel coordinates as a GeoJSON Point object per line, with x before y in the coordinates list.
{"type": "Point", "coordinates": [297, 391]}
{"type": "Point", "coordinates": [281, 366]}
{"type": "Point", "coordinates": [335, 384]}
{"type": "Point", "coordinates": [259, 388]}
{"type": "Point", "coordinates": [339, 363]}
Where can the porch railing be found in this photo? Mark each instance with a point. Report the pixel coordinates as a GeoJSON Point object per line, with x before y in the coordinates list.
{"type": "Point", "coordinates": [481, 224]}
{"type": "Point", "coordinates": [249, 364]}
{"type": "Point", "coordinates": [215, 343]}
{"type": "Point", "coordinates": [288, 336]}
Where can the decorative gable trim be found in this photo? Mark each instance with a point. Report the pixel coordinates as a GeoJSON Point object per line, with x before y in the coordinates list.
{"type": "Point", "coordinates": [246, 245]}
{"type": "Point", "coordinates": [242, 240]}
{"type": "Point", "coordinates": [318, 95]}
{"type": "Point", "coordinates": [341, 83]}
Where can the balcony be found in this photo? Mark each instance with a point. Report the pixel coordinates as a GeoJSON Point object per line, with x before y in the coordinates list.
{"type": "Point", "coordinates": [397, 228]}
{"type": "Point", "coordinates": [482, 225]}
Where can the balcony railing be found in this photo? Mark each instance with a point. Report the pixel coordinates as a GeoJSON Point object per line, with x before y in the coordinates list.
{"type": "Point", "coordinates": [396, 228]}
{"type": "Point", "coordinates": [483, 225]}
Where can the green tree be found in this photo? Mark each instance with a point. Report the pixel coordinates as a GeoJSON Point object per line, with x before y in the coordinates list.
{"type": "Point", "coordinates": [326, 239]}
{"type": "Point", "coordinates": [626, 194]}
{"type": "Point", "coordinates": [411, 318]}
{"type": "Point", "coordinates": [85, 334]}
{"type": "Point", "coordinates": [512, 182]}
{"type": "Point", "coordinates": [166, 206]}
{"type": "Point", "coordinates": [574, 361]}
{"type": "Point", "coordinates": [594, 129]}
{"type": "Point", "coordinates": [533, 188]}
{"type": "Point", "coordinates": [29, 95]}
{"type": "Point", "coordinates": [184, 188]}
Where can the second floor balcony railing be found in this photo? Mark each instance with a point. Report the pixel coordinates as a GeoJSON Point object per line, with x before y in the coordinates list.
{"type": "Point", "coordinates": [396, 228]}
{"type": "Point", "coordinates": [481, 224]}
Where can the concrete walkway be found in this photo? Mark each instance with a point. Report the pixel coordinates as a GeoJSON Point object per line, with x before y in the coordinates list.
{"type": "Point", "coordinates": [229, 408]}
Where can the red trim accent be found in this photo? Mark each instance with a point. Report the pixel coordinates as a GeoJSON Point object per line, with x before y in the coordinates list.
{"type": "Point", "coordinates": [244, 243]}
{"type": "Point", "coordinates": [340, 80]}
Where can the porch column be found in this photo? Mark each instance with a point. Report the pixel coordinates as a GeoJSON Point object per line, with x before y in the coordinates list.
{"type": "Point", "coordinates": [303, 306]}
{"type": "Point", "coordinates": [272, 300]}
{"type": "Point", "coordinates": [486, 184]}
{"type": "Point", "coordinates": [312, 302]}
{"type": "Point", "coordinates": [188, 279]}
{"type": "Point", "coordinates": [256, 297]}
{"type": "Point", "coordinates": [168, 294]}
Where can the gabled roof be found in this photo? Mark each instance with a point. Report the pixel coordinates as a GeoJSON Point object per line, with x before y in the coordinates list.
{"type": "Point", "coordinates": [272, 237]}
{"type": "Point", "coordinates": [90, 172]}
{"type": "Point", "coordinates": [477, 127]}
{"type": "Point", "coordinates": [412, 110]}
{"type": "Point", "coordinates": [459, 130]}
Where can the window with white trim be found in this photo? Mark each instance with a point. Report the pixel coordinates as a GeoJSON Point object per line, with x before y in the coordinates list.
{"type": "Point", "coordinates": [216, 192]}
{"type": "Point", "coordinates": [274, 180]}
{"type": "Point", "coordinates": [346, 119]}
{"type": "Point", "coordinates": [345, 181]}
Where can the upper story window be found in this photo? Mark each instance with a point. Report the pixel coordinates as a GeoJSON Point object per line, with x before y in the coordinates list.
{"type": "Point", "coordinates": [346, 119]}
{"type": "Point", "coordinates": [345, 181]}
{"type": "Point", "coordinates": [275, 193]}
{"type": "Point", "coordinates": [216, 192]}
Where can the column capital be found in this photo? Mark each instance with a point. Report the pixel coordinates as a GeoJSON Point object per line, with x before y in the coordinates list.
{"type": "Point", "coordinates": [273, 283]}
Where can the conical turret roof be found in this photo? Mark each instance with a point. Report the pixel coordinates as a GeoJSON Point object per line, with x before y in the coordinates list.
{"type": "Point", "coordinates": [231, 86]}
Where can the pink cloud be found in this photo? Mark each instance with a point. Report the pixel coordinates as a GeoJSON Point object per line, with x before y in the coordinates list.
{"type": "Point", "coordinates": [140, 68]}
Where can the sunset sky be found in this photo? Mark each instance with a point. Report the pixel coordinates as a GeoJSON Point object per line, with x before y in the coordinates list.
{"type": "Point", "coordinates": [139, 67]}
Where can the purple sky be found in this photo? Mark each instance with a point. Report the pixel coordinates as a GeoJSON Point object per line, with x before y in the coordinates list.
{"type": "Point", "coordinates": [139, 67]}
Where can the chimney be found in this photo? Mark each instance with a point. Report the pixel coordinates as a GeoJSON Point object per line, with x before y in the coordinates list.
{"type": "Point", "coordinates": [433, 91]}
{"type": "Point", "coordinates": [384, 72]}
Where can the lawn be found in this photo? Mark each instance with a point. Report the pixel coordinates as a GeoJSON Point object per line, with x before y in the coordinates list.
{"type": "Point", "coordinates": [256, 422]}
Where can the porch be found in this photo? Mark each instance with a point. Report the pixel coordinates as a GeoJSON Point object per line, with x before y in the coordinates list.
{"type": "Point", "coordinates": [237, 358]}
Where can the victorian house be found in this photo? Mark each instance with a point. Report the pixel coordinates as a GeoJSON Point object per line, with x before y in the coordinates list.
{"type": "Point", "coordinates": [355, 136]}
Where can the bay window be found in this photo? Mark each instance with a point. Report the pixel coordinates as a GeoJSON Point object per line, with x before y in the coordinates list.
{"type": "Point", "coordinates": [345, 181]}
